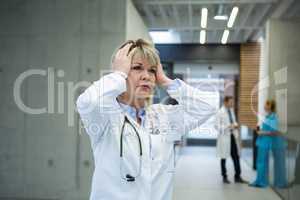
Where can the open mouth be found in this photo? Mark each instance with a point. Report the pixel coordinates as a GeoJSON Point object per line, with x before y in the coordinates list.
{"type": "Point", "coordinates": [145, 87]}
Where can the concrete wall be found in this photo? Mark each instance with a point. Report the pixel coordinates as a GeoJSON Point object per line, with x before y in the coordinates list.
{"type": "Point", "coordinates": [135, 26]}
{"type": "Point", "coordinates": [283, 43]}
{"type": "Point", "coordinates": [40, 155]}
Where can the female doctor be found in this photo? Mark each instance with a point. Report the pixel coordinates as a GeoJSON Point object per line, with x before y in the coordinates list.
{"type": "Point", "coordinates": [265, 142]}
{"type": "Point", "coordinates": [132, 141]}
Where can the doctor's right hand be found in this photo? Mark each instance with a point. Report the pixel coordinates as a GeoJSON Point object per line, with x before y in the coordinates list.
{"type": "Point", "coordinates": [236, 126]}
{"type": "Point", "coordinates": [233, 126]}
{"type": "Point", "coordinates": [122, 60]}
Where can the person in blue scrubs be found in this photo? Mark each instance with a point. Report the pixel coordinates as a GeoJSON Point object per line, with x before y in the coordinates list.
{"type": "Point", "coordinates": [268, 130]}
{"type": "Point", "coordinates": [279, 153]}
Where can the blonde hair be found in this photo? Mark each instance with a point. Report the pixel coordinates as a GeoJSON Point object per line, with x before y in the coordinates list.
{"type": "Point", "coordinates": [142, 48]}
{"type": "Point", "coordinates": [145, 50]}
{"type": "Point", "coordinates": [272, 104]}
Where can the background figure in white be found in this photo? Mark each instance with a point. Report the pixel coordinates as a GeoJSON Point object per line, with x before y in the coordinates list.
{"type": "Point", "coordinates": [228, 141]}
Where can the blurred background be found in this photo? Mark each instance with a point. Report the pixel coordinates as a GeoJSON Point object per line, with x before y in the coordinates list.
{"type": "Point", "coordinates": [51, 50]}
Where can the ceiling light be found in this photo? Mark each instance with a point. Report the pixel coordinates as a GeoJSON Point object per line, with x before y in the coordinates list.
{"type": "Point", "coordinates": [202, 36]}
{"type": "Point", "coordinates": [225, 36]}
{"type": "Point", "coordinates": [163, 37]}
{"type": "Point", "coordinates": [221, 17]}
{"type": "Point", "coordinates": [204, 17]}
{"type": "Point", "coordinates": [220, 14]}
{"type": "Point", "coordinates": [232, 17]}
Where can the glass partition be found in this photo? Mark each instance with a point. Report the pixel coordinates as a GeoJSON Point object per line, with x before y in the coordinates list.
{"type": "Point", "coordinates": [284, 163]}
{"type": "Point", "coordinates": [291, 190]}
{"type": "Point", "coordinates": [247, 140]}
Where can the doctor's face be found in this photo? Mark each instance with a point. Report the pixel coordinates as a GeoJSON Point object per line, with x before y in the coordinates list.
{"type": "Point", "coordinates": [229, 103]}
{"type": "Point", "coordinates": [141, 78]}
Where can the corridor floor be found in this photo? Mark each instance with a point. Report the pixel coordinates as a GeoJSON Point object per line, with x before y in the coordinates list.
{"type": "Point", "coordinates": [198, 178]}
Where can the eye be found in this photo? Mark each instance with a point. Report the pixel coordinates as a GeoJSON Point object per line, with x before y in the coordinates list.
{"type": "Point", "coordinates": [153, 71]}
{"type": "Point", "coordinates": [137, 67]}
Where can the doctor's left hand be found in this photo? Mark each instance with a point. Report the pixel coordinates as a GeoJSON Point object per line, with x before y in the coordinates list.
{"type": "Point", "coordinates": [161, 77]}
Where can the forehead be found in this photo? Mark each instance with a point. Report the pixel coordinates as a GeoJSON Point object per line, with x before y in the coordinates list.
{"type": "Point", "coordinates": [138, 58]}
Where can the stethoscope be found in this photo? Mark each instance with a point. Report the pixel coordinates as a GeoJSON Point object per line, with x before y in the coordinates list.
{"type": "Point", "coordinates": [129, 177]}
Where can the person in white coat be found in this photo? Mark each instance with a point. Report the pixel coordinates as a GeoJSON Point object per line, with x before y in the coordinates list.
{"type": "Point", "coordinates": [228, 141]}
{"type": "Point", "coordinates": [132, 140]}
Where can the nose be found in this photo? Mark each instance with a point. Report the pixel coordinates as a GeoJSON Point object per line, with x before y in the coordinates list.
{"type": "Point", "coordinates": [145, 75]}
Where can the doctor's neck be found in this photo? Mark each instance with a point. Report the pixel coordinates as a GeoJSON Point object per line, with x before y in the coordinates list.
{"type": "Point", "coordinates": [137, 103]}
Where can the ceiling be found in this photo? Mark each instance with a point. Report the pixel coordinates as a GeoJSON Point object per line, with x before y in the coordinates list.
{"type": "Point", "coordinates": [183, 17]}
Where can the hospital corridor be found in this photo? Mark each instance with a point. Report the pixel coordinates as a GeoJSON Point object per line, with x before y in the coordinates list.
{"type": "Point", "coordinates": [149, 100]}
{"type": "Point", "coordinates": [198, 176]}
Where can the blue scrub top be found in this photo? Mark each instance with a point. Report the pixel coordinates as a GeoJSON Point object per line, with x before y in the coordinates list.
{"type": "Point", "coordinates": [278, 141]}
{"type": "Point", "coordinates": [270, 123]}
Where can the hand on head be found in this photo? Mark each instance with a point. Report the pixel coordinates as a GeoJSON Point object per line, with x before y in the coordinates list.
{"type": "Point", "coordinates": [122, 59]}
{"type": "Point", "coordinates": [161, 77]}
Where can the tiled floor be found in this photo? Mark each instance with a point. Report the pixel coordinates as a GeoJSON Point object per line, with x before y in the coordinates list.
{"type": "Point", "coordinates": [198, 178]}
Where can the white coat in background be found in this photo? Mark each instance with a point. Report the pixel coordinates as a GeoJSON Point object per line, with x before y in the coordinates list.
{"type": "Point", "coordinates": [103, 118]}
{"type": "Point", "coordinates": [224, 134]}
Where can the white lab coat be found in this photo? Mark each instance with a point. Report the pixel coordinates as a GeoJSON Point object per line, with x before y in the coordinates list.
{"type": "Point", "coordinates": [103, 117]}
{"type": "Point", "coordinates": [224, 134]}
